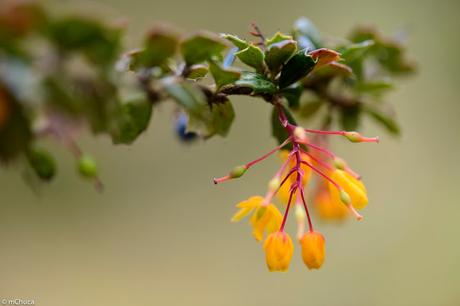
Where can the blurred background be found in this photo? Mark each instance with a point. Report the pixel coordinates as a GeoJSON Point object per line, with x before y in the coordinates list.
{"type": "Point", "coordinates": [160, 233]}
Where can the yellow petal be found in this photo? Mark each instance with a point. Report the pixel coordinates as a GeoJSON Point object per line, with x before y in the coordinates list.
{"type": "Point", "coordinates": [278, 251]}
{"type": "Point", "coordinates": [241, 213]}
{"type": "Point", "coordinates": [355, 188]}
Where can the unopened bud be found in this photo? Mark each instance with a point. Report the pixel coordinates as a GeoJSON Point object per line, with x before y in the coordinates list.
{"type": "Point", "coordinates": [274, 184]}
{"type": "Point", "coordinates": [238, 171]}
{"type": "Point", "coordinates": [87, 166]}
{"type": "Point", "coordinates": [345, 197]}
{"type": "Point", "coordinates": [299, 214]}
{"type": "Point", "coordinates": [300, 134]}
{"type": "Point", "coordinates": [339, 163]}
{"type": "Point", "coordinates": [357, 137]}
{"type": "Point", "coordinates": [353, 136]}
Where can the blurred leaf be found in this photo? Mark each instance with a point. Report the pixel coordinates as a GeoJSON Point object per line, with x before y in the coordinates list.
{"type": "Point", "coordinates": [99, 43]}
{"type": "Point", "coordinates": [306, 33]}
{"type": "Point", "coordinates": [292, 95]}
{"type": "Point", "coordinates": [223, 76]}
{"type": "Point", "coordinates": [132, 119]}
{"type": "Point", "coordinates": [258, 83]}
{"type": "Point", "coordinates": [308, 109]}
{"type": "Point", "coordinates": [42, 162]}
{"type": "Point", "coordinates": [350, 117]}
{"type": "Point", "coordinates": [278, 37]}
{"type": "Point", "coordinates": [296, 68]}
{"type": "Point", "coordinates": [215, 120]}
{"type": "Point", "coordinates": [385, 119]}
{"type": "Point", "coordinates": [278, 53]}
{"type": "Point", "coordinates": [252, 56]}
{"type": "Point", "coordinates": [197, 71]}
{"type": "Point", "coordinates": [15, 133]}
{"type": "Point", "coordinates": [201, 47]}
{"type": "Point", "coordinates": [204, 119]}
{"type": "Point", "coordinates": [278, 131]}
{"type": "Point", "coordinates": [355, 51]}
{"type": "Point", "coordinates": [160, 45]}
{"type": "Point", "coordinates": [374, 87]}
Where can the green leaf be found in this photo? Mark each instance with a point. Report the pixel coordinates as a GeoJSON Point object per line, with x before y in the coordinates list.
{"type": "Point", "coordinates": [306, 33]}
{"type": "Point", "coordinates": [278, 37]}
{"type": "Point", "coordinates": [385, 119]}
{"type": "Point", "coordinates": [101, 44]}
{"type": "Point", "coordinates": [238, 42]}
{"type": "Point", "coordinates": [197, 71]}
{"type": "Point", "coordinates": [258, 83]}
{"type": "Point", "coordinates": [278, 131]}
{"type": "Point", "coordinates": [132, 119]}
{"type": "Point", "coordinates": [252, 56]}
{"type": "Point", "coordinates": [374, 87]}
{"type": "Point", "coordinates": [308, 109]}
{"type": "Point", "coordinates": [354, 51]}
{"type": "Point", "coordinates": [350, 117]}
{"type": "Point", "coordinates": [278, 53]}
{"type": "Point", "coordinates": [296, 68]}
{"type": "Point", "coordinates": [223, 76]}
{"type": "Point", "coordinates": [42, 162]}
{"type": "Point", "coordinates": [15, 133]}
{"type": "Point", "coordinates": [292, 95]}
{"type": "Point", "coordinates": [215, 120]}
{"type": "Point", "coordinates": [159, 45]}
{"type": "Point", "coordinates": [204, 119]}
{"type": "Point", "coordinates": [201, 47]}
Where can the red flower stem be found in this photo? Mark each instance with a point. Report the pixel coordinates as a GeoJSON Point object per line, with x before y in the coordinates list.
{"type": "Point", "coordinates": [252, 163]}
{"type": "Point", "coordinates": [325, 132]}
{"type": "Point", "coordinates": [319, 161]}
{"type": "Point", "coordinates": [322, 174]}
{"type": "Point", "coordinates": [287, 209]}
{"type": "Point", "coordinates": [321, 149]}
{"type": "Point", "coordinates": [271, 193]}
{"type": "Point", "coordinates": [310, 225]}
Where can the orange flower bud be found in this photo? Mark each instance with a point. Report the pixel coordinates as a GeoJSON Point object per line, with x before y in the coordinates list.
{"type": "Point", "coordinates": [313, 249]}
{"type": "Point", "coordinates": [278, 251]}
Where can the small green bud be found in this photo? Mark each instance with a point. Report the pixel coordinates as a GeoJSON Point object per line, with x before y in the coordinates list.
{"type": "Point", "coordinates": [299, 214]}
{"type": "Point", "coordinates": [274, 184]}
{"type": "Point", "coordinates": [353, 136]}
{"type": "Point", "coordinates": [238, 171]}
{"type": "Point", "coordinates": [42, 162]}
{"type": "Point", "coordinates": [87, 166]}
{"type": "Point", "coordinates": [344, 197]}
{"type": "Point", "coordinates": [339, 163]}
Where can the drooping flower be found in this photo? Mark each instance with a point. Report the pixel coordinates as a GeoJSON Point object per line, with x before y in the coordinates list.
{"type": "Point", "coordinates": [278, 251]}
{"type": "Point", "coordinates": [265, 218]}
{"type": "Point", "coordinates": [313, 249]}
{"type": "Point", "coordinates": [340, 192]}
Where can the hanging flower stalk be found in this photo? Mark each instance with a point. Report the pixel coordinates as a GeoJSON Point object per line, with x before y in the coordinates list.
{"type": "Point", "coordinates": [293, 175]}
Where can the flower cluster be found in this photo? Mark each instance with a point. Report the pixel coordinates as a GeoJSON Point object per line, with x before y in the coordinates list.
{"type": "Point", "coordinates": [339, 192]}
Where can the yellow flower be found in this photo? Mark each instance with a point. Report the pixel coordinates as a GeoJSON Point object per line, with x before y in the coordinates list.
{"type": "Point", "coordinates": [265, 218]}
{"type": "Point", "coordinates": [278, 251]}
{"type": "Point", "coordinates": [313, 249]}
{"type": "Point", "coordinates": [328, 207]}
{"type": "Point", "coordinates": [354, 187]}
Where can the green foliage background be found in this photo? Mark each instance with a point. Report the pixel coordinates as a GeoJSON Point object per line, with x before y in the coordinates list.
{"type": "Point", "coordinates": [160, 232]}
